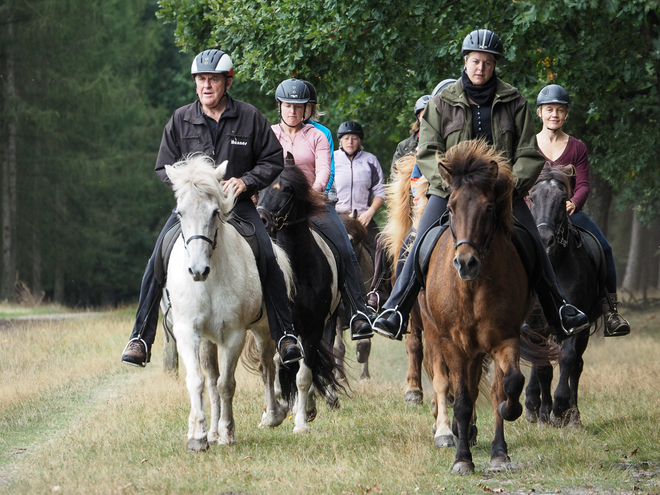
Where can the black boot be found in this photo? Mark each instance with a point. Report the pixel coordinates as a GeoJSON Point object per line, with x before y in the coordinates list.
{"type": "Point", "coordinates": [290, 349]}
{"type": "Point", "coordinates": [572, 320]}
{"type": "Point", "coordinates": [391, 324]}
{"type": "Point", "coordinates": [361, 326]}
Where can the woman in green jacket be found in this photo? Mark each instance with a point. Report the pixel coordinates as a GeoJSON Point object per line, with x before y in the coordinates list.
{"type": "Point", "coordinates": [478, 106]}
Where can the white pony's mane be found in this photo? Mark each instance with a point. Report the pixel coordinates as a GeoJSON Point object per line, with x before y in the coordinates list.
{"type": "Point", "coordinates": [196, 175]}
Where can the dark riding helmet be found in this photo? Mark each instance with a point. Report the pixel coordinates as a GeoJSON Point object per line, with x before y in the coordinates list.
{"type": "Point", "coordinates": [421, 103]}
{"type": "Point", "coordinates": [553, 93]}
{"type": "Point", "coordinates": [350, 127]}
{"type": "Point", "coordinates": [483, 40]}
{"type": "Point", "coordinates": [292, 91]}
{"type": "Point", "coordinates": [442, 85]}
{"type": "Point", "coordinates": [313, 98]}
{"type": "Point", "coordinates": [212, 62]}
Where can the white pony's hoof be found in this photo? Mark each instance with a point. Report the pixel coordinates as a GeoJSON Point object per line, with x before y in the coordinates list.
{"type": "Point", "coordinates": [198, 445]}
{"type": "Point", "coordinates": [302, 429]}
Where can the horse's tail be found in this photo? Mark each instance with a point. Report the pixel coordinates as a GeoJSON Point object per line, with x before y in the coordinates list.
{"type": "Point", "coordinates": [536, 348]}
{"type": "Point", "coordinates": [403, 212]}
{"type": "Point", "coordinates": [250, 357]}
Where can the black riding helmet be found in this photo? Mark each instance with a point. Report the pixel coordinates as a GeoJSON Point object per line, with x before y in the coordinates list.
{"type": "Point", "coordinates": [292, 91]}
{"type": "Point", "coordinates": [313, 98]}
{"type": "Point", "coordinates": [350, 127]}
{"type": "Point", "coordinates": [212, 62]}
{"type": "Point", "coordinates": [483, 40]}
{"type": "Point", "coordinates": [553, 93]}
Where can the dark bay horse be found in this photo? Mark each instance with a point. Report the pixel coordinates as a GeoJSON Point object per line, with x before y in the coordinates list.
{"type": "Point", "coordinates": [357, 233]}
{"type": "Point", "coordinates": [477, 297]}
{"type": "Point", "coordinates": [286, 207]}
{"type": "Point", "coordinates": [578, 275]}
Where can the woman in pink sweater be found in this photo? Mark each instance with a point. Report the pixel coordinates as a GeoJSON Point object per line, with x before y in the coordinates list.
{"type": "Point", "coordinates": [311, 151]}
{"type": "Point", "coordinates": [559, 148]}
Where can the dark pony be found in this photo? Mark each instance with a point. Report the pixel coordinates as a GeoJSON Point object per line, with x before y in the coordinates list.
{"type": "Point", "coordinates": [286, 207]}
{"type": "Point", "coordinates": [578, 276]}
{"type": "Point", "coordinates": [476, 299]}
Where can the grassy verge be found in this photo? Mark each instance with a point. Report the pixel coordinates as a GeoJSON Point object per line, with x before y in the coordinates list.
{"type": "Point", "coordinates": [73, 419]}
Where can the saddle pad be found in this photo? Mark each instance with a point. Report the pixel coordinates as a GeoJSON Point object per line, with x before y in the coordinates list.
{"type": "Point", "coordinates": [529, 251]}
{"type": "Point", "coordinates": [588, 241]}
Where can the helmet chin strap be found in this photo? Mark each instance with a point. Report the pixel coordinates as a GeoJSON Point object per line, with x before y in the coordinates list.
{"type": "Point", "coordinates": [303, 121]}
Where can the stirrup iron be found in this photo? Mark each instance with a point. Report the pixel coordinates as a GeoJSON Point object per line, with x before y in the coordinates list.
{"type": "Point", "coordinates": [367, 320]}
{"type": "Point", "coordinates": [302, 350]}
{"type": "Point", "coordinates": [399, 334]}
{"type": "Point", "coordinates": [571, 331]}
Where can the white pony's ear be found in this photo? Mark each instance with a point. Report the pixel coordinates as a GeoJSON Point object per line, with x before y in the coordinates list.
{"type": "Point", "coordinates": [170, 170]}
{"type": "Point", "coordinates": [220, 170]}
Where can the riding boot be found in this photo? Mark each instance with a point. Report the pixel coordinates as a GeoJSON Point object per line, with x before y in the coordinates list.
{"type": "Point", "coordinates": [392, 322]}
{"type": "Point", "coordinates": [615, 324]}
{"type": "Point", "coordinates": [138, 350]}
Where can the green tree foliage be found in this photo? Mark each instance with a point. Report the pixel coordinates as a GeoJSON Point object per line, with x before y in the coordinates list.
{"type": "Point", "coordinates": [371, 59]}
{"type": "Point", "coordinates": [90, 124]}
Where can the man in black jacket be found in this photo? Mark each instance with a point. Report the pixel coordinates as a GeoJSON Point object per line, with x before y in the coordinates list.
{"type": "Point", "coordinates": [224, 129]}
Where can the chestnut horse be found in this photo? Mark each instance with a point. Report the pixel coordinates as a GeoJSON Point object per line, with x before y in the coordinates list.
{"type": "Point", "coordinates": [477, 297]}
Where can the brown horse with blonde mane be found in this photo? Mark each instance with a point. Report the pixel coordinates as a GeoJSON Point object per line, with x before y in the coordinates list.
{"type": "Point", "coordinates": [477, 297]}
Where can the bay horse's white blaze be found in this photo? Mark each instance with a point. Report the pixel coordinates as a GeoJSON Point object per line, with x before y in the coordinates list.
{"type": "Point", "coordinates": [216, 294]}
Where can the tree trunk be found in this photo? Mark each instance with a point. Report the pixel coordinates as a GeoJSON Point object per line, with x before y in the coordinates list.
{"type": "Point", "coordinates": [632, 281]}
{"type": "Point", "coordinates": [9, 172]}
{"type": "Point", "coordinates": [600, 198]}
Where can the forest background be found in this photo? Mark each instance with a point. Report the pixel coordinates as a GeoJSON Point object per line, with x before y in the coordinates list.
{"type": "Point", "coordinates": [88, 86]}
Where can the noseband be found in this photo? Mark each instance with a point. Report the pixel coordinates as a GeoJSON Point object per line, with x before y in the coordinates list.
{"type": "Point", "coordinates": [280, 219]}
{"type": "Point", "coordinates": [213, 242]}
{"type": "Point", "coordinates": [482, 251]}
{"type": "Point", "coordinates": [560, 233]}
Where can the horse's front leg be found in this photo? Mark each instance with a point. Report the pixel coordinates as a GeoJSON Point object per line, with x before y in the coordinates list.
{"type": "Point", "coordinates": [230, 352]}
{"type": "Point", "coordinates": [208, 354]}
{"type": "Point", "coordinates": [505, 398]}
{"type": "Point", "coordinates": [188, 342]}
{"type": "Point", "coordinates": [304, 384]}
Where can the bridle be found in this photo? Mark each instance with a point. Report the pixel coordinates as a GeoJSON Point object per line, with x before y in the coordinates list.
{"type": "Point", "coordinates": [213, 243]}
{"type": "Point", "coordinates": [280, 218]}
{"type": "Point", "coordinates": [560, 233]}
{"type": "Point", "coordinates": [482, 250]}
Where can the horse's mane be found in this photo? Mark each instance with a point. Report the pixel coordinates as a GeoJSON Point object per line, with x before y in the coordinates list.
{"type": "Point", "coordinates": [197, 173]}
{"type": "Point", "coordinates": [559, 173]}
{"type": "Point", "coordinates": [401, 214]}
{"type": "Point", "coordinates": [293, 176]}
{"type": "Point", "coordinates": [470, 163]}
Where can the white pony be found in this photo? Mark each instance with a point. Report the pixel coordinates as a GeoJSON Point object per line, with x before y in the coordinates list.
{"type": "Point", "coordinates": [216, 294]}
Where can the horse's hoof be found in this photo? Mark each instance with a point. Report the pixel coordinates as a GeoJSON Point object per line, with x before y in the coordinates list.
{"type": "Point", "coordinates": [332, 402]}
{"type": "Point", "coordinates": [516, 414]}
{"type": "Point", "coordinates": [301, 429]}
{"type": "Point", "coordinates": [463, 468]}
{"type": "Point", "coordinates": [228, 439]}
{"type": "Point", "coordinates": [500, 463]}
{"type": "Point", "coordinates": [365, 378]}
{"type": "Point", "coordinates": [558, 421]}
{"type": "Point", "coordinates": [311, 415]}
{"type": "Point", "coordinates": [531, 416]}
{"type": "Point", "coordinates": [212, 436]}
{"type": "Point", "coordinates": [414, 397]}
{"type": "Point", "coordinates": [444, 441]}
{"type": "Point", "coordinates": [472, 433]}
{"type": "Point", "coordinates": [198, 445]}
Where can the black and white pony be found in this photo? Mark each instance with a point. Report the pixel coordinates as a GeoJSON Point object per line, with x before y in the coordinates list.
{"type": "Point", "coordinates": [216, 294]}
{"type": "Point", "coordinates": [286, 207]}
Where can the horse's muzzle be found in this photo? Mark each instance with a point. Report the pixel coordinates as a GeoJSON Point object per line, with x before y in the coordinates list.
{"type": "Point", "coordinates": [468, 266]}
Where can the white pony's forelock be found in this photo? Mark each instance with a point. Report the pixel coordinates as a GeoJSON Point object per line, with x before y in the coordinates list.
{"type": "Point", "coordinates": [199, 171]}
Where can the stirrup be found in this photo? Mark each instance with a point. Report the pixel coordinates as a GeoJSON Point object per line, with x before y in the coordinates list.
{"type": "Point", "coordinates": [575, 330]}
{"type": "Point", "coordinates": [374, 292]}
{"type": "Point", "coordinates": [146, 351]}
{"type": "Point", "coordinates": [399, 334]}
{"type": "Point", "coordinates": [302, 350]}
{"type": "Point", "coordinates": [360, 336]}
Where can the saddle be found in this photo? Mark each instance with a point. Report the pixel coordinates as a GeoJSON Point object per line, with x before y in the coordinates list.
{"type": "Point", "coordinates": [523, 240]}
{"type": "Point", "coordinates": [587, 241]}
{"type": "Point", "coordinates": [244, 228]}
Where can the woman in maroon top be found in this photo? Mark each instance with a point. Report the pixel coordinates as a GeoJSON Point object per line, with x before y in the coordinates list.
{"type": "Point", "coordinates": [561, 149]}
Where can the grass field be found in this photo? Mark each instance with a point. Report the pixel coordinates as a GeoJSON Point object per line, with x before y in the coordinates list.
{"type": "Point", "coordinates": [73, 419]}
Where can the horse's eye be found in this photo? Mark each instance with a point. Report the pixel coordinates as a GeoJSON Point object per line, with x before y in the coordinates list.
{"type": "Point", "coordinates": [490, 208]}
{"type": "Point", "coordinates": [216, 212]}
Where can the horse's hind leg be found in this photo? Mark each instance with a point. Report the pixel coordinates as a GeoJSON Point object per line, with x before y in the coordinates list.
{"type": "Point", "coordinates": [208, 353]}
{"type": "Point", "coordinates": [188, 345]}
{"type": "Point", "coordinates": [570, 370]}
{"type": "Point", "coordinates": [230, 353]}
{"type": "Point", "coordinates": [538, 394]}
{"type": "Point", "coordinates": [443, 436]}
{"type": "Point", "coordinates": [275, 413]}
{"type": "Point", "coordinates": [415, 351]}
{"type": "Point", "coordinates": [362, 352]}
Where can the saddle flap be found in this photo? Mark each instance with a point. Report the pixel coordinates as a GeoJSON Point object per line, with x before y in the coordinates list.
{"type": "Point", "coordinates": [585, 239]}
{"type": "Point", "coordinates": [425, 250]}
{"type": "Point", "coordinates": [528, 250]}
